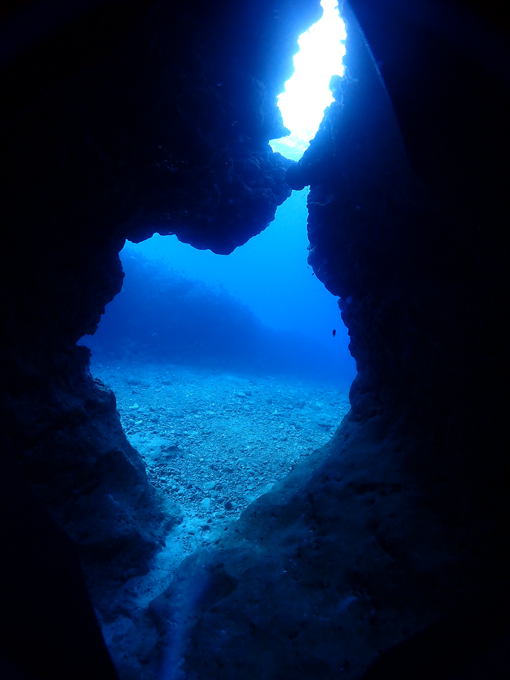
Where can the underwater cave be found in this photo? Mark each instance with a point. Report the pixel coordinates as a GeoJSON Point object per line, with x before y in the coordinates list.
{"type": "Point", "coordinates": [369, 540]}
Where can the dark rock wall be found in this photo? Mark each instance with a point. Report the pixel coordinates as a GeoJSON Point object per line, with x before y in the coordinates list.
{"type": "Point", "coordinates": [413, 237]}
{"type": "Point", "coordinates": [396, 529]}
{"type": "Point", "coordinates": [49, 629]}
{"type": "Point", "coordinates": [399, 524]}
{"type": "Point", "coordinates": [341, 560]}
{"type": "Point", "coordinates": [118, 120]}
{"type": "Point", "coordinates": [165, 130]}
{"type": "Point", "coordinates": [169, 133]}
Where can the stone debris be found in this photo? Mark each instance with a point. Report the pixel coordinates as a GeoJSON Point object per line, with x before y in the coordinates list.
{"type": "Point", "coordinates": [213, 442]}
{"type": "Point", "coordinates": [207, 457]}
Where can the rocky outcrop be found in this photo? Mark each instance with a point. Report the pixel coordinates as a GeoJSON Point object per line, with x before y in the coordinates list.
{"type": "Point", "coordinates": [165, 131]}
{"type": "Point", "coordinates": [397, 526]}
{"type": "Point", "coordinates": [48, 621]}
{"type": "Point", "coordinates": [340, 561]}
{"type": "Point", "coordinates": [66, 437]}
{"type": "Point", "coordinates": [168, 134]}
{"type": "Point", "coordinates": [116, 122]}
{"type": "Point", "coordinates": [410, 237]}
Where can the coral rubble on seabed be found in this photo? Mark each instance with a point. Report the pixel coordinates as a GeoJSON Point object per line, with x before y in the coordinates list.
{"type": "Point", "coordinates": [212, 443]}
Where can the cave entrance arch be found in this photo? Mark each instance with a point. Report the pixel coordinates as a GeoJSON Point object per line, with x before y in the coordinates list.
{"type": "Point", "coordinates": [258, 315]}
{"type": "Point", "coordinates": [222, 403]}
{"type": "Point", "coordinates": [219, 405]}
{"type": "Point", "coordinates": [197, 371]}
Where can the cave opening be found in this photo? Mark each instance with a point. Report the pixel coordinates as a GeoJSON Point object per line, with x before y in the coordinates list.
{"type": "Point", "coordinates": [225, 369]}
{"type": "Point", "coordinates": [245, 339]}
{"type": "Point", "coordinates": [229, 371]}
{"type": "Point", "coordinates": [307, 92]}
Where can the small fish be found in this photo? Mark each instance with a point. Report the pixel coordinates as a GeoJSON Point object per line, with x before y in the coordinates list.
{"type": "Point", "coordinates": [334, 332]}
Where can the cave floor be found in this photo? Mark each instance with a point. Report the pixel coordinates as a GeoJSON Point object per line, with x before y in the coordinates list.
{"type": "Point", "coordinates": [293, 549]}
{"type": "Point", "coordinates": [212, 442]}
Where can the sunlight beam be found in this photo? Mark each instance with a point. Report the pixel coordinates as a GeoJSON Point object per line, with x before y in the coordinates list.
{"type": "Point", "coordinates": [307, 93]}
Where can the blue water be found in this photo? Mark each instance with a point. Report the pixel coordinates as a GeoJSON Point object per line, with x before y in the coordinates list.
{"type": "Point", "coordinates": [259, 310]}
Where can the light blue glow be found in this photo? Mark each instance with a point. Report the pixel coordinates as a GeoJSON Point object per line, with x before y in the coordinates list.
{"type": "Point", "coordinates": [307, 93]}
{"type": "Point", "coordinates": [269, 273]}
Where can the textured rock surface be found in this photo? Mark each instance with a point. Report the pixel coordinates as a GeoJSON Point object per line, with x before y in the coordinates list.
{"type": "Point", "coordinates": [339, 561]}
{"type": "Point", "coordinates": [168, 133]}
{"type": "Point", "coordinates": [94, 483]}
{"type": "Point", "coordinates": [117, 122]}
{"type": "Point", "coordinates": [406, 519]}
{"type": "Point", "coordinates": [414, 246]}
{"type": "Point", "coordinates": [212, 443]}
